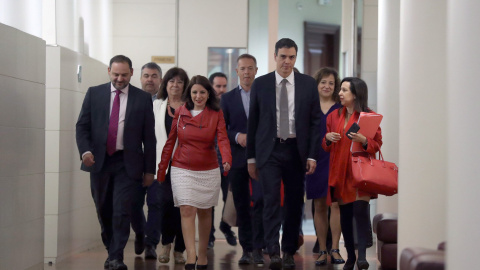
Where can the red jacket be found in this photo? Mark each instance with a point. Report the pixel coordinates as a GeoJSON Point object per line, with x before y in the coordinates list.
{"type": "Point", "coordinates": [196, 142]}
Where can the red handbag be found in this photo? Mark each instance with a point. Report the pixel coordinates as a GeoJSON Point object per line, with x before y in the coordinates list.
{"type": "Point", "coordinates": [375, 175]}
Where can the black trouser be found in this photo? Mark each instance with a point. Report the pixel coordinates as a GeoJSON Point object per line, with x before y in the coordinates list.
{"type": "Point", "coordinates": [113, 192]}
{"type": "Point", "coordinates": [257, 215]}
{"type": "Point", "coordinates": [239, 183]}
{"type": "Point", "coordinates": [224, 227]}
{"type": "Point", "coordinates": [163, 216]}
{"type": "Point", "coordinates": [283, 164]}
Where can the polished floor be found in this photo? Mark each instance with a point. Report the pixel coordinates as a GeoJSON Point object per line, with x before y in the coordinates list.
{"type": "Point", "coordinates": [222, 257]}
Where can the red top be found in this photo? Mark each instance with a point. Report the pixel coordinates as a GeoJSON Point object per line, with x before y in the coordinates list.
{"type": "Point", "coordinates": [196, 142]}
{"type": "Point", "coordinates": [340, 176]}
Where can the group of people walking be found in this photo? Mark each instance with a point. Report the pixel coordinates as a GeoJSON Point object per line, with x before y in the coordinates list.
{"type": "Point", "coordinates": [280, 129]}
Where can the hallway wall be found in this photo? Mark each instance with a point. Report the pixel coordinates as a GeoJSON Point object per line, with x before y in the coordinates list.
{"type": "Point", "coordinates": [71, 223]}
{"type": "Point", "coordinates": [22, 144]}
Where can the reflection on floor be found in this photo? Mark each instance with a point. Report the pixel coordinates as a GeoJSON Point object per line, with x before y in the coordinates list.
{"type": "Point", "coordinates": [222, 257]}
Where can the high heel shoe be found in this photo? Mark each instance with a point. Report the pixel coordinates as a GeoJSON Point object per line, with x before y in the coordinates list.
{"type": "Point", "coordinates": [362, 264]}
{"type": "Point", "coordinates": [336, 261]}
{"type": "Point", "coordinates": [202, 266]}
{"type": "Point", "coordinates": [191, 266]}
{"type": "Point", "coordinates": [321, 262]}
{"type": "Point", "coordinates": [349, 264]}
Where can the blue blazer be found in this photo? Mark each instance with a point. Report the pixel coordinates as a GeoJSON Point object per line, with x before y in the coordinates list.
{"type": "Point", "coordinates": [236, 121]}
{"type": "Point", "coordinates": [138, 135]}
{"type": "Point", "coordinates": [262, 121]}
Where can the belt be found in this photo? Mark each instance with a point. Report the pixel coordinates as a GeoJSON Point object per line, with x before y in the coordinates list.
{"type": "Point", "coordinates": [287, 141]}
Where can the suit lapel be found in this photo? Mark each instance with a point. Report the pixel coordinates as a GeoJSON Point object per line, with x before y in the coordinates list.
{"type": "Point", "coordinates": [131, 100]}
{"type": "Point", "coordinates": [104, 101]}
{"type": "Point", "coordinates": [272, 92]}
{"type": "Point", "coordinates": [298, 95]}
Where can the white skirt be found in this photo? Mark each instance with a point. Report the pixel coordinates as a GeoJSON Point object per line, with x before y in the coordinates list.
{"type": "Point", "coordinates": [195, 188]}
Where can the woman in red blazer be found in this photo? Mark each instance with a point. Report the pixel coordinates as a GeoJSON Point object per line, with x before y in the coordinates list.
{"type": "Point", "coordinates": [194, 171]}
{"type": "Point", "coordinates": [353, 202]}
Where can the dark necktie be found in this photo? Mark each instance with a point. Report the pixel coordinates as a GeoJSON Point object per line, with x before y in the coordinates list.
{"type": "Point", "coordinates": [113, 126]}
{"type": "Point", "coordinates": [284, 125]}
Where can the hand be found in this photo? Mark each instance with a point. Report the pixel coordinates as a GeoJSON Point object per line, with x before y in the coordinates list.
{"type": "Point", "coordinates": [242, 139]}
{"type": "Point", "coordinates": [88, 159]}
{"type": "Point", "coordinates": [147, 179]}
{"type": "Point", "coordinates": [311, 165]}
{"type": "Point", "coordinates": [333, 137]}
{"type": "Point", "coordinates": [357, 137]}
{"type": "Point", "coordinates": [253, 171]}
{"type": "Point", "coordinates": [226, 167]}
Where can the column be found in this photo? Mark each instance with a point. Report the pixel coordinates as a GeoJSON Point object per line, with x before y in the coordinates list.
{"type": "Point", "coordinates": [463, 69]}
{"type": "Point", "coordinates": [387, 88]}
{"type": "Point", "coordinates": [423, 126]}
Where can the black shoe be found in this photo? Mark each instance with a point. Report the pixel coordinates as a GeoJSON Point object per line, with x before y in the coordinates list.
{"type": "Point", "coordinates": [288, 261]}
{"type": "Point", "coordinates": [231, 238]}
{"type": "Point", "coordinates": [117, 265]}
{"type": "Point", "coordinates": [202, 266]}
{"type": "Point", "coordinates": [211, 244]}
{"type": "Point", "coordinates": [258, 257]}
{"type": "Point", "coordinates": [362, 264]}
{"type": "Point", "coordinates": [190, 266]}
{"type": "Point", "coordinates": [336, 261]}
{"type": "Point", "coordinates": [139, 243]}
{"type": "Point", "coordinates": [246, 258]}
{"type": "Point", "coordinates": [106, 265]}
{"type": "Point", "coordinates": [319, 262]}
{"type": "Point", "coordinates": [150, 253]}
{"type": "Point", "coordinates": [349, 264]}
{"type": "Point", "coordinates": [275, 262]}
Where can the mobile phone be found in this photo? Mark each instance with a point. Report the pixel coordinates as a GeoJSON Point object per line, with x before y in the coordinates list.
{"type": "Point", "coordinates": [354, 128]}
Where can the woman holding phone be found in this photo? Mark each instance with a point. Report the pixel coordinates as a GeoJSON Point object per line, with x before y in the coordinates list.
{"type": "Point", "coordinates": [353, 202]}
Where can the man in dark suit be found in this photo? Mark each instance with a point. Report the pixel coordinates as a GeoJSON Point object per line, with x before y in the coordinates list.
{"type": "Point", "coordinates": [235, 106]}
{"type": "Point", "coordinates": [219, 83]}
{"type": "Point", "coordinates": [115, 124]}
{"type": "Point", "coordinates": [282, 144]}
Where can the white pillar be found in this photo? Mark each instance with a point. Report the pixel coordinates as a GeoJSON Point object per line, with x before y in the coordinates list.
{"type": "Point", "coordinates": [423, 128]}
{"type": "Point", "coordinates": [463, 69]}
{"type": "Point", "coordinates": [387, 87]}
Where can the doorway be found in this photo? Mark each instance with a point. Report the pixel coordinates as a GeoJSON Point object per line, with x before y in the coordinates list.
{"type": "Point", "coordinates": [322, 46]}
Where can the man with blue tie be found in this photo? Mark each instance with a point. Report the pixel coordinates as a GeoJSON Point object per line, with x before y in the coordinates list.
{"type": "Point", "coordinates": [235, 106]}
{"type": "Point", "coordinates": [282, 144]}
{"type": "Point", "coordinates": [116, 140]}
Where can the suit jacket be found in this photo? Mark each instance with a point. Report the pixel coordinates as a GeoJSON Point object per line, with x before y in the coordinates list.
{"type": "Point", "coordinates": [92, 130]}
{"type": "Point", "coordinates": [262, 121]}
{"type": "Point", "coordinates": [236, 121]}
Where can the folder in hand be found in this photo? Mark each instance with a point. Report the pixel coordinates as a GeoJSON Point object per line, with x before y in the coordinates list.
{"type": "Point", "coordinates": [369, 123]}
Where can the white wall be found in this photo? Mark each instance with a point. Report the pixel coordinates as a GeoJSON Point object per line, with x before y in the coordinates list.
{"type": "Point", "coordinates": [370, 49]}
{"type": "Point", "coordinates": [84, 26]}
{"type": "Point", "coordinates": [213, 23]}
{"type": "Point", "coordinates": [24, 15]}
{"type": "Point", "coordinates": [145, 28]}
{"type": "Point", "coordinates": [22, 144]}
{"type": "Point", "coordinates": [70, 216]}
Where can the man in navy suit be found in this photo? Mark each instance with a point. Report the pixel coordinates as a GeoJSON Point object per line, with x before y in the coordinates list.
{"type": "Point", "coordinates": [116, 140]}
{"type": "Point", "coordinates": [235, 106]}
{"type": "Point", "coordinates": [282, 144]}
{"type": "Point", "coordinates": [219, 83]}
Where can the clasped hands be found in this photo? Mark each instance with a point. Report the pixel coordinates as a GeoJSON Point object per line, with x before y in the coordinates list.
{"type": "Point", "coordinates": [355, 137]}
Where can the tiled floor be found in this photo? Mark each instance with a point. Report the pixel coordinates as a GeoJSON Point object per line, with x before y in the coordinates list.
{"type": "Point", "coordinates": [223, 257]}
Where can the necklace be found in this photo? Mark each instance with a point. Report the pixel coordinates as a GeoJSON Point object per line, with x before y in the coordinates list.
{"type": "Point", "coordinates": [169, 109]}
